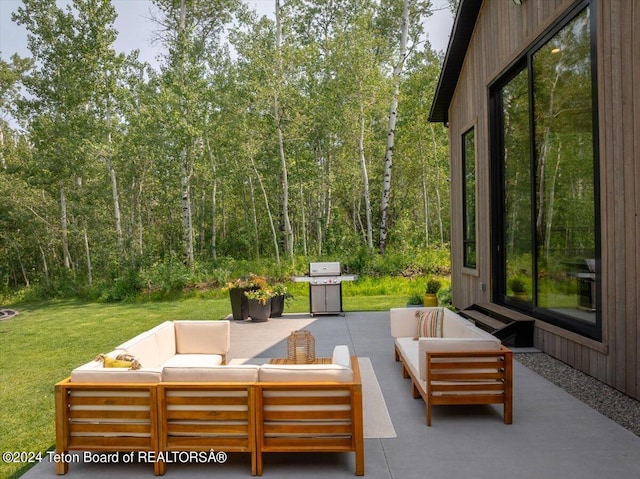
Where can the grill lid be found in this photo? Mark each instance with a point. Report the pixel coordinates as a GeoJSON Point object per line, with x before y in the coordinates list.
{"type": "Point", "coordinates": [329, 268]}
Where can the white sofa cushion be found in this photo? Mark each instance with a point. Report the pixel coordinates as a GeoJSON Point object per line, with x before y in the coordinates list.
{"type": "Point", "coordinates": [415, 351]}
{"type": "Point", "coordinates": [236, 373]}
{"type": "Point", "coordinates": [455, 326]}
{"type": "Point", "coordinates": [165, 338]}
{"type": "Point", "coordinates": [202, 337]}
{"type": "Point", "coordinates": [193, 361]}
{"type": "Point", "coordinates": [341, 356]}
{"type": "Point", "coordinates": [305, 373]}
{"type": "Point", "coordinates": [145, 347]}
{"type": "Point", "coordinates": [95, 372]}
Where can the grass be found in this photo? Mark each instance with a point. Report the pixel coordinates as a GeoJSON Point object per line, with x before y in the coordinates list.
{"type": "Point", "coordinates": [48, 339]}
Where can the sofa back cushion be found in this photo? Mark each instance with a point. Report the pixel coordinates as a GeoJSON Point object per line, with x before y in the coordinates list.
{"type": "Point", "coordinates": [305, 373]}
{"type": "Point", "coordinates": [202, 337]}
{"type": "Point", "coordinates": [165, 342]}
{"type": "Point", "coordinates": [454, 325]}
{"type": "Point", "coordinates": [341, 356]}
{"type": "Point", "coordinates": [151, 348]}
{"type": "Point", "coordinates": [404, 323]}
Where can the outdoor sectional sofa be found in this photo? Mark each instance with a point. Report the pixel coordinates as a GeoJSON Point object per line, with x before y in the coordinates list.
{"type": "Point", "coordinates": [185, 400]}
{"type": "Point", "coordinates": [450, 360]}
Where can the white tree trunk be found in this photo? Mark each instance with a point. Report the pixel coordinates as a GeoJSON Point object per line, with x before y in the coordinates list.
{"type": "Point", "coordinates": [116, 204]}
{"type": "Point", "coordinates": [65, 234]}
{"type": "Point", "coordinates": [88, 256]}
{"type": "Point", "coordinates": [266, 202]}
{"type": "Point", "coordinates": [303, 219]}
{"type": "Point", "coordinates": [214, 204]}
{"type": "Point", "coordinates": [288, 230]}
{"type": "Point", "coordinates": [187, 224]}
{"type": "Point", "coordinates": [438, 199]}
{"type": "Point", "coordinates": [45, 266]}
{"type": "Point", "coordinates": [114, 190]}
{"type": "Point", "coordinates": [365, 180]}
{"type": "Point", "coordinates": [393, 115]}
{"type": "Point", "coordinates": [254, 217]}
{"type": "Point", "coordinates": [3, 163]}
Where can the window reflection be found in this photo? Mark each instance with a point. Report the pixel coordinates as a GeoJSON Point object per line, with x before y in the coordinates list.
{"type": "Point", "coordinates": [548, 261]}
{"type": "Point", "coordinates": [469, 168]}
{"type": "Point", "coordinates": [564, 222]}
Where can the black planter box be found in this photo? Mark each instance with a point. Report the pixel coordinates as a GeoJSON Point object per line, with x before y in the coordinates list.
{"type": "Point", "coordinates": [239, 303]}
{"type": "Point", "coordinates": [277, 306]}
{"type": "Point", "coordinates": [258, 311]}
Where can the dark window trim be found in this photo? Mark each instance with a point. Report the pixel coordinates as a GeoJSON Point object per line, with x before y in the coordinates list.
{"type": "Point", "coordinates": [524, 61]}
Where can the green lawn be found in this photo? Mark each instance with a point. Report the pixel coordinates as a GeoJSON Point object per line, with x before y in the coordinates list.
{"type": "Point", "coordinates": [47, 340]}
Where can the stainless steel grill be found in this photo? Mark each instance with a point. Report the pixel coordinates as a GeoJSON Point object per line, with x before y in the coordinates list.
{"type": "Point", "coordinates": [325, 287]}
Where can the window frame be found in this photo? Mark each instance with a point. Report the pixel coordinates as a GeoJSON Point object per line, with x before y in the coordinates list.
{"type": "Point", "coordinates": [496, 127]}
{"type": "Point", "coordinates": [466, 211]}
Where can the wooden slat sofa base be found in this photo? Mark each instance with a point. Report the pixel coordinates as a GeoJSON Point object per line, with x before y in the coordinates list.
{"type": "Point", "coordinates": [464, 378]}
{"type": "Point", "coordinates": [105, 418]}
{"type": "Point", "coordinates": [311, 417]}
{"type": "Point", "coordinates": [202, 417]}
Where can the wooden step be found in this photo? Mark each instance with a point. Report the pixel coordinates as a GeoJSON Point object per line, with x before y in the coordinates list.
{"type": "Point", "coordinates": [497, 311]}
{"type": "Point", "coordinates": [492, 323]}
{"type": "Point", "coordinates": [513, 328]}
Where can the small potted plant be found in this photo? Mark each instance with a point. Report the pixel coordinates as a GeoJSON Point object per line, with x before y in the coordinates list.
{"type": "Point", "coordinates": [239, 304]}
{"type": "Point", "coordinates": [280, 293]}
{"type": "Point", "coordinates": [259, 303]}
{"type": "Point", "coordinates": [518, 287]}
{"type": "Point", "coordinates": [237, 288]}
{"type": "Point", "coordinates": [430, 293]}
{"type": "Point", "coordinates": [415, 300]}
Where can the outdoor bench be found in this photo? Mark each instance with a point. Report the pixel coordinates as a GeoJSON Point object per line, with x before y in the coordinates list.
{"type": "Point", "coordinates": [450, 360]}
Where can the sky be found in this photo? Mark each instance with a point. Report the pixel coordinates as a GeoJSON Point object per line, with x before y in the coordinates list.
{"type": "Point", "coordinates": [135, 28]}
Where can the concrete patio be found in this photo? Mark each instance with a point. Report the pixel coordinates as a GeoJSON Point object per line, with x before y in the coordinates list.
{"type": "Point", "coordinates": [553, 435]}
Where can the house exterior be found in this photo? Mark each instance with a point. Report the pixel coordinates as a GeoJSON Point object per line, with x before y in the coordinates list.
{"type": "Point", "coordinates": [542, 102]}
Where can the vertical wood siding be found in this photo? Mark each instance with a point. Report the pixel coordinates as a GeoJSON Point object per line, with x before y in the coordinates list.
{"type": "Point", "coordinates": [503, 32]}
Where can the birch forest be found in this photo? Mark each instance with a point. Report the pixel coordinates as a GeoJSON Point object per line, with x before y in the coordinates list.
{"type": "Point", "coordinates": [284, 138]}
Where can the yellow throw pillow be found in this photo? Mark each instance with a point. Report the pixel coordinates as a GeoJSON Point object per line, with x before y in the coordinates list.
{"type": "Point", "coordinates": [120, 361]}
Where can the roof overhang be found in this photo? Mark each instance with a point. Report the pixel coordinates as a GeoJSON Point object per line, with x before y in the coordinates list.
{"type": "Point", "coordinates": [461, 32]}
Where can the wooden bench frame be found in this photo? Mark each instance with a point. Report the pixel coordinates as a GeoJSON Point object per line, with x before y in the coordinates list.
{"type": "Point", "coordinates": [463, 378]}
{"type": "Point", "coordinates": [107, 429]}
{"type": "Point", "coordinates": [208, 429]}
{"type": "Point", "coordinates": [87, 421]}
{"type": "Point", "coordinates": [347, 437]}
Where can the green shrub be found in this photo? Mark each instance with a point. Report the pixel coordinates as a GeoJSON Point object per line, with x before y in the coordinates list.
{"type": "Point", "coordinates": [415, 299]}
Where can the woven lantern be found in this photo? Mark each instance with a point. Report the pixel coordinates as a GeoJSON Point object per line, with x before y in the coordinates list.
{"type": "Point", "coordinates": [301, 347]}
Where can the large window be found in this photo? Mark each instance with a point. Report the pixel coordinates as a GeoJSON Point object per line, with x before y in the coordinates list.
{"type": "Point", "coordinates": [469, 194]}
{"type": "Point", "coordinates": [545, 158]}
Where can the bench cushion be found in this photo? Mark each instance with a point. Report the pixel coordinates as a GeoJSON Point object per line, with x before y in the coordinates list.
{"type": "Point", "coordinates": [193, 361]}
{"type": "Point", "coordinates": [305, 373]}
{"type": "Point", "coordinates": [236, 373]}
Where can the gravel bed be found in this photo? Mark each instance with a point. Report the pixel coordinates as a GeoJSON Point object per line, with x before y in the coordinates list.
{"type": "Point", "coordinates": [606, 400]}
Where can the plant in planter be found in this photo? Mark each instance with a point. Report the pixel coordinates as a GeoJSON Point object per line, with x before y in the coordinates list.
{"type": "Point", "coordinates": [259, 303]}
{"type": "Point", "coordinates": [518, 287]}
{"type": "Point", "coordinates": [431, 291]}
{"type": "Point", "coordinates": [280, 294]}
{"type": "Point", "coordinates": [415, 300]}
{"type": "Point", "coordinates": [237, 288]}
{"type": "Point", "coordinates": [239, 304]}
